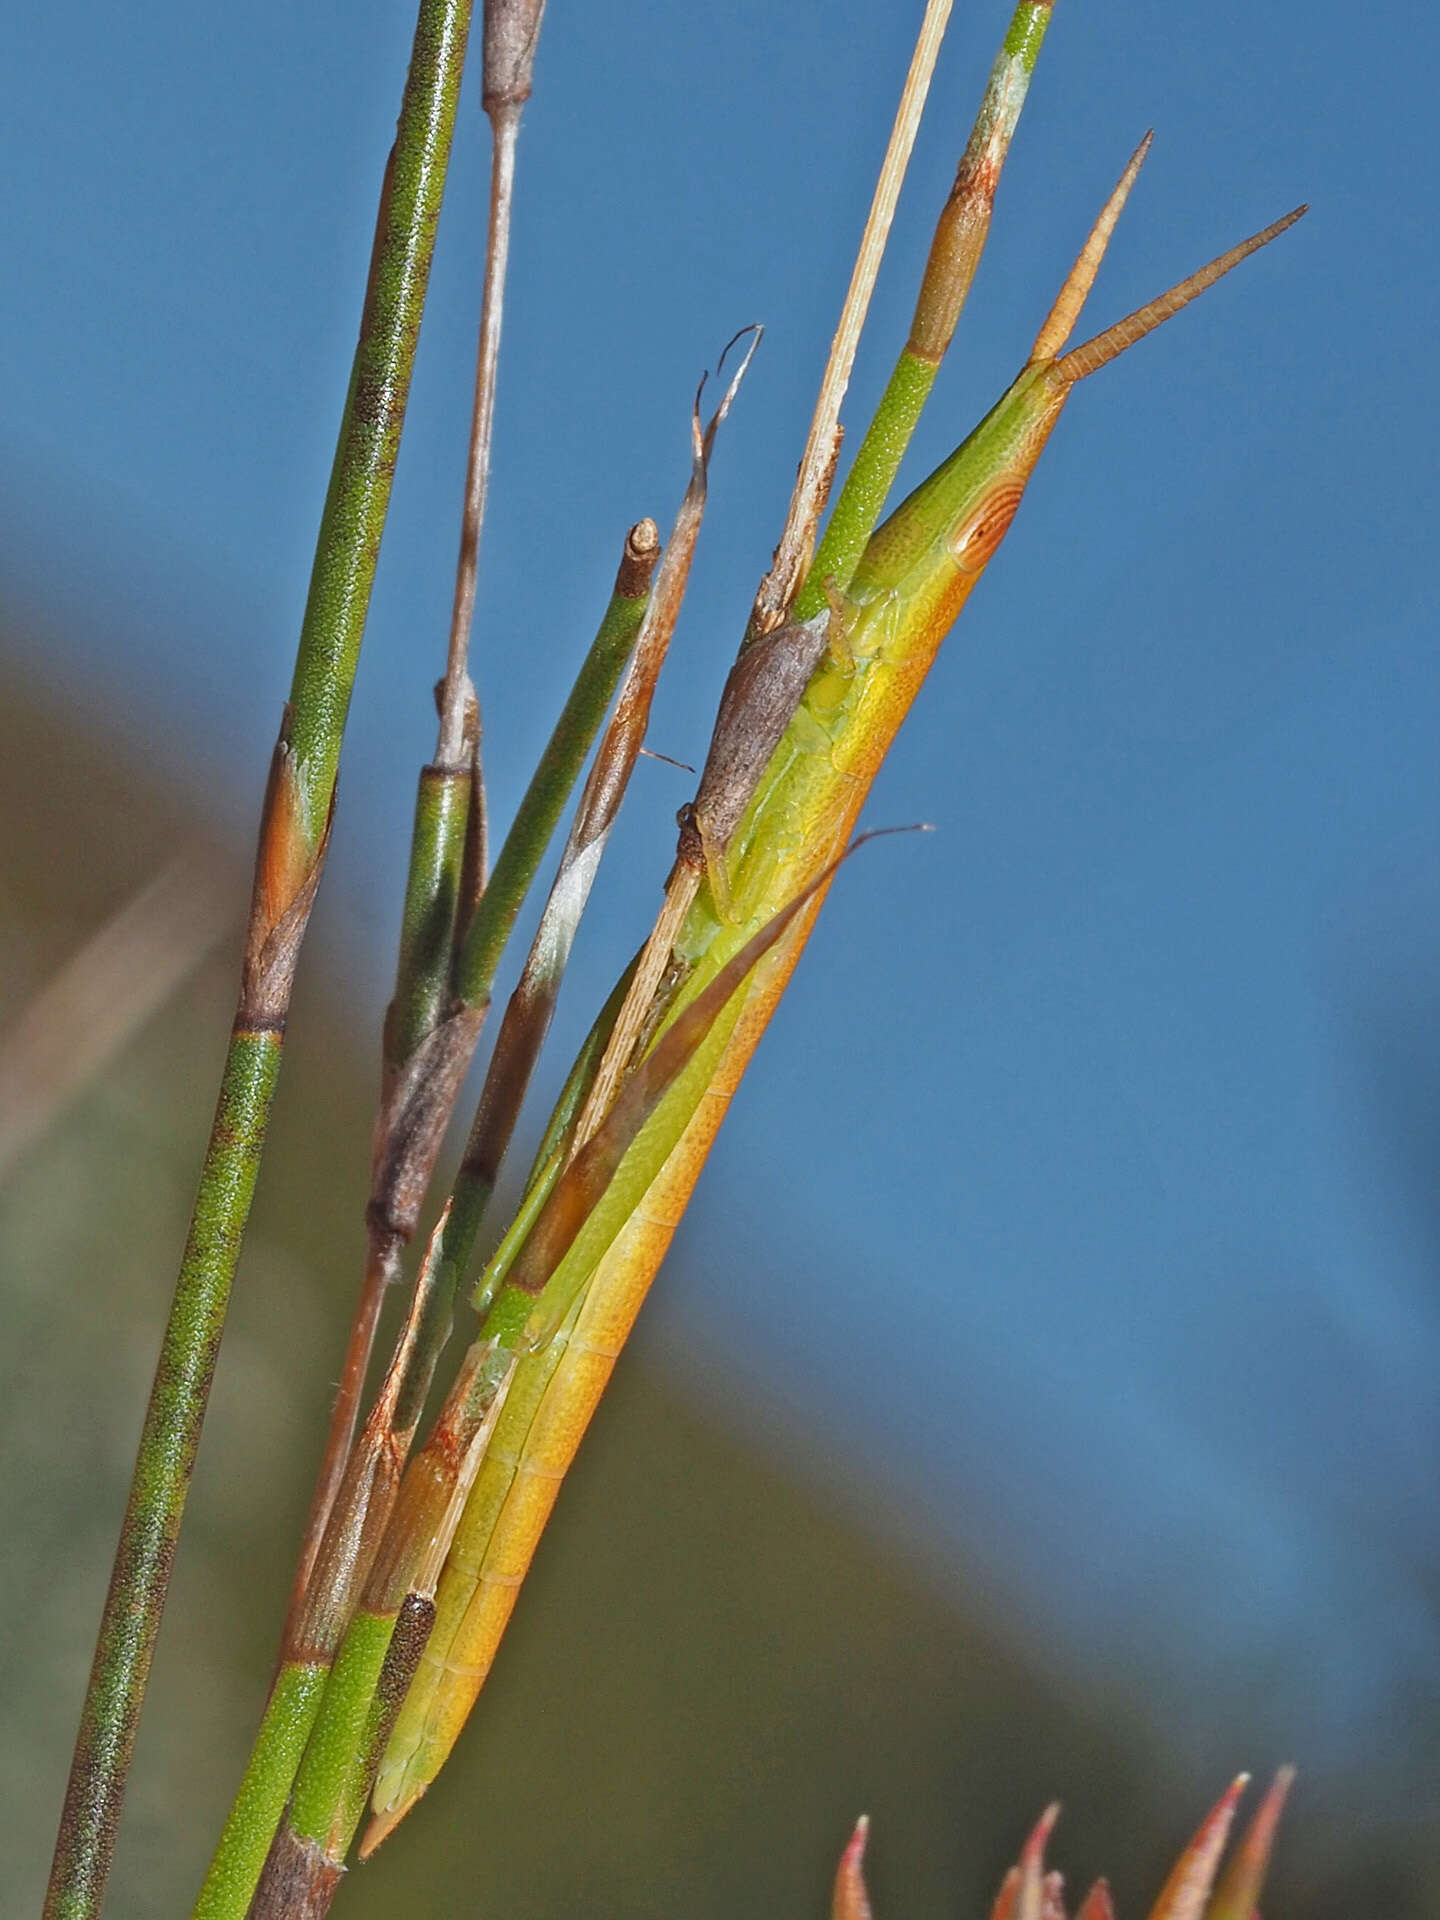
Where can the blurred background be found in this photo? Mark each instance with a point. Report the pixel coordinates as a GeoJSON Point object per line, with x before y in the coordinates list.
{"type": "Point", "coordinates": [1125, 1083]}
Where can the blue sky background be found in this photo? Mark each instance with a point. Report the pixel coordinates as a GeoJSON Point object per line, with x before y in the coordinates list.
{"type": "Point", "coordinates": [1107, 1242]}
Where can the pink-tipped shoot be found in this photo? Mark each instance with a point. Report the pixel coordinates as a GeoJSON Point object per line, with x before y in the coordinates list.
{"type": "Point", "coordinates": [850, 1900]}
{"type": "Point", "coordinates": [1238, 1895]}
{"type": "Point", "coordinates": [1184, 1894]}
{"type": "Point", "coordinates": [1097, 1904]}
{"type": "Point", "coordinates": [1030, 1900]}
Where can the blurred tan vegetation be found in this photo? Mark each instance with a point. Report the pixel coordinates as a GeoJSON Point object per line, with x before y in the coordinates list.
{"type": "Point", "coordinates": [712, 1669]}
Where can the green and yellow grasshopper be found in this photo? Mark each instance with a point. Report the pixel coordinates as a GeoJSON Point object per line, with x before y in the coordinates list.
{"type": "Point", "coordinates": [833, 659]}
{"type": "Point", "coordinates": [875, 645]}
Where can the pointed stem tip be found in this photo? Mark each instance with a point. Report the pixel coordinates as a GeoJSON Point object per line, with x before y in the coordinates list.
{"type": "Point", "coordinates": [1030, 1892]}
{"type": "Point", "coordinates": [1185, 1893]}
{"type": "Point", "coordinates": [1238, 1895]}
{"type": "Point", "coordinates": [851, 1900]}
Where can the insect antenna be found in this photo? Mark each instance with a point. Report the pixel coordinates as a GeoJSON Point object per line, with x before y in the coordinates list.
{"type": "Point", "coordinates": [1071, 297]}
{"type": "Point", "coordinates": [1105, 346]}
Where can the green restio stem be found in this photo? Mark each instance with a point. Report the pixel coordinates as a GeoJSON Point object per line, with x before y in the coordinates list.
{"type": "Point", "coordinates": [251, 1823]}
{"type": "Point", "coordinates": [346, 554]}
{"type": "Point", "coordinates": [523, 849]}
{"type": "Point", "coordinates": [410, 1631]}
{"type": "Point", "coordinates": [545, 797]}
{"type": "Point", "coordinates": [347, 1738]}
{"type": "Point", "coordinates": [472, 1192]}
{"type": "Point", "coordinates": [432, 902]}
{"type": "Point", "coordinates": [363, 1695]}
{"type": "Point", "coordinates": [360, 480]}
{"type": "Point", "coordinates": [330, 1779]}
{"type": "Point", "coordinates": [156, 1504]}
{"type": "Point", "coordinates": [366, 1686]}
{"type": "Point", "coordinates": [867, 485]}
{"type": "Point", "coordinates": [954, 255]}
{"type": "Point", "coordinates": [312, 1637]}
{"type": "Point", "coordinates": [439, 833]}
{"type": "Point", "coordinates": [324, 1786]}
{"type": "Point", "coordinates": [495, 917]}
{"type": "Point", "coordinates": [468, 1203]}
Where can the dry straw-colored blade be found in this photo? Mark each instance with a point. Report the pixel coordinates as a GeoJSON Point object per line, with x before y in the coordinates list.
{"type": "Point", "coordinates": [511, 29]}
{"type": "Point", "coordinates": [93, 1004]}
{"type": "Point", "coordinates": [822, 446]}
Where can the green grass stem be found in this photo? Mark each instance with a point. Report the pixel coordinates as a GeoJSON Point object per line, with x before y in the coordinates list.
{"type": "Point", "coordinates": [298, 809]}
{"type": "Point", "coordinates": [960, 236]}
{"type": "Point", "coordinates": [433, 891]}
{"type": "Point", "coordinates": [544, 799]}
{"type": "Point", "coordinates": [256, 1812]}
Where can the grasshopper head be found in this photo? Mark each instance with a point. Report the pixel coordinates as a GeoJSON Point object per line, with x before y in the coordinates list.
{"type": "Point", "coordinates": [941, 538]}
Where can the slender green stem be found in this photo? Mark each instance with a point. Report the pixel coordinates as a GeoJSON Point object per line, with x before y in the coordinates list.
{"type": "Point", "coordinates": [381, 1648]}
{"type": "Point", "coordinates": [349, 1719]}
{"type": "Point", "coordinates": [313, 1631]}
{"type": "Point", "coordinates": [360, 481]}
{"type": "Point", "coordinates": [241, 1854]}
{"type": "Point", "coordinates": [447, 849]}
{"type": "Point", "coordinates": [297, 812]}
{"type": "Point", "coordinates": [324, 1792]}
{"type": "Point", "coordinates": [955, 253]}
{"type": "Point", "coordinates": [440, 847]}
{"type": "Point", "coordinates": [432, 906]}
{"type": "Point", "coordinates": [162, 1472]}
{"type": "Point", "coordinates": [868, 483]}
{"type": "Point", "coordinates": [545, 797]}
{"type": "Point", "coordinates": [511, 31]}
{"type": "Point", "coordinates": [289, 1716]}
{"type": "Point", "coordinates": [466, 1213]}
{"type": "Point", "coordinates": [472, 1190]}
{"type": "Point", "coordinates": [612, 647]}
{"type": "Point", "coordinates": [816, 472]}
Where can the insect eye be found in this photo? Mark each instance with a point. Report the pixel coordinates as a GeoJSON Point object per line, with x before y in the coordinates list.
{"type": "Point", "coordinates": [978, 537]}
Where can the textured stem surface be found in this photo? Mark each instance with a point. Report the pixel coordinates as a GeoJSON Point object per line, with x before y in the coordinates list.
{"type": "Point", "coordinates": [293, 836]}
{"type": "Point", "coordinates": [955, 251]}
